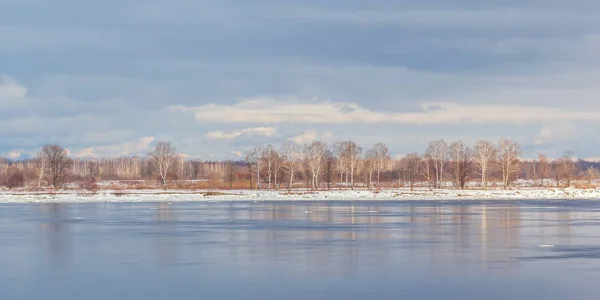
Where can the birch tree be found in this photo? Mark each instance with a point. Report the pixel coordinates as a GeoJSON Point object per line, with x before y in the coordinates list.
{"type": "Point", "coordinates": [254, 161]}
{"type": "Point", "coordinates": [41, 162]}
{"type": "Point", "coordinates": [292, 160]}
{"type": "Point", "coordinates": [438, 150]}
{"type": "Point", "coordinates": [351, 153]}
{"type": "Point", "coordinates": [484, 155]}
{"type": "Point", "coordinates": [315, 154]}
{"type": "Point", "coordinates": [269, 157]}
{"type": "Point", "coordinates": [371, 163]}
{"type": "Point", "coordinates": [428, 171]}
{"type": "Point", "coordinates": [508, 160]}
{"type": "Point", "coordinates": [342, 164]}
{"type": "Point", "coordinates": [381, 155]}
{"type": "Point", "coordinates": [164, 158]}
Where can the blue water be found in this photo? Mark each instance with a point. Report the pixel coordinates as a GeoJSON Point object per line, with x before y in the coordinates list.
{"type": "Point", "coordinates": [301, 250]}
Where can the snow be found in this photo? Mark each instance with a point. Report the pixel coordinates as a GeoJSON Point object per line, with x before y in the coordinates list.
{"type": "Point", "coordinates": [248, 195]}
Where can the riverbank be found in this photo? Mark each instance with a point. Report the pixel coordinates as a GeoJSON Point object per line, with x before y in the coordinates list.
{"type": "Point", "coordinates": [119, 196]}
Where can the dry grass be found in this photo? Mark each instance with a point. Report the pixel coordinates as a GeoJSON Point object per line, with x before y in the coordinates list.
{"type": "Point", "coordinates": [585, 186]}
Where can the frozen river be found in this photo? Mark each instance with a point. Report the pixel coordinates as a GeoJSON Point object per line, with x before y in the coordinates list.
{"type": "Point", "coordinates": [301, 250]}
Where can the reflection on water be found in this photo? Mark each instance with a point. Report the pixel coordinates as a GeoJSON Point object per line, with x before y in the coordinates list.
{"type": "Point", "coordinates": [166, 237]}
{"type": "Point", "coordinates": [365, 249]}
{"type": "Point", "coordinates": [54, 233]}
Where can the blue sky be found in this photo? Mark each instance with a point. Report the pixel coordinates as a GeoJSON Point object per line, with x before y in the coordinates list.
{"type": "Point", "coordinates": [215, 77]}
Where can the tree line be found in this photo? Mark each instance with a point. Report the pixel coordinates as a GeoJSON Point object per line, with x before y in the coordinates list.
{"type": "Point", "coordinates": [347, 165]}
{"type": "Point", "coordinates": [316, 165]}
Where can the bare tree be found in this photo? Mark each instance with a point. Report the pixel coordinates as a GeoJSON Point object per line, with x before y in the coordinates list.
{"type": "Point", "coordinates": [342, 165]}
{"type": "Point", "coordinates": [315, 154]}
{"type": "Point", "coordinates": [41, 160]}
{"type": "Point", "coordinates": [592, 174]}
{"type": "Point", "coordinates": [555, 168]}
{"type": "Point", "coordinates": [438, 151]}
{"type": "Point", "coordinates": [508, 160]}
{"type": "Point", "coordinates": [164, 158]}
{"type": "Point", "coordinates": [542, 167]}
{"type": "Point", "coordinates": [484, 156]}
{"type": "Point", "coordinates": [370, 163]}
{"type": "Point", "coordinates": [329, 168]}
{"type": "Point", "coordinates": [250, 160]}
{"type": "Point", "coordinates": [254, 161]}
{"type": "Point", "coordinates": [270, 156]}
{"type": "Point", "coordinates": [230, 169]}
{"type": "Point", "coordinates": [58, 162]}
{"type": "Point", "coordinates": [409, 165]}
{"type": "Point", "coordinates": [278, 165]}
{"type": "Point", "coordinates": [531, 170]}
{"type": "Point", "coordinates": [567, 166]}
{"type": "Point", "coordinates": [196, 169]}
{"type": "Point", "coordinates": [292, 158]}
{"type": "Point", "coordinates": [382, 155]}
{"type": "Point", "coordinates": [460, 163]}
{"type": "Point", "coordinates": [428, 170]}
{"type": "Point", "coordinates": [352, 152]}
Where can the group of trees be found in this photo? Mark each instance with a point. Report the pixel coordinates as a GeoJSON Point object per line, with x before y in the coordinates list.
{"type": "Point", "coordinates": [52, 166]}
{"type": "Point", "coordinates": [316, 165]}
{"type": "Point", "coordinates": [462, 162]}
{"type": "Point", "coordinates": [345, 164]}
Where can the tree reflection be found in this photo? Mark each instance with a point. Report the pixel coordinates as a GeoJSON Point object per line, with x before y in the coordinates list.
{"type": "Point", "coordinates": [56, 238]}
{"type": "Point", "coordinates": [166, 235]}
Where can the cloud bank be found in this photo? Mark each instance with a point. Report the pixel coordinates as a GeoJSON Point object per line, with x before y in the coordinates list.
{"type": "Point", "coordinates": [218, 76]}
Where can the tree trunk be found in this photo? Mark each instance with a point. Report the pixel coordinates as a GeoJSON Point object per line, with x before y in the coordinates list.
{"type": "Point", "coordinates": [40, 178]}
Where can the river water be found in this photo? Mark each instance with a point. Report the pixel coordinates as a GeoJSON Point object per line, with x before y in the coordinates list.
{"type": "Point", "coordinates": [301, 250]}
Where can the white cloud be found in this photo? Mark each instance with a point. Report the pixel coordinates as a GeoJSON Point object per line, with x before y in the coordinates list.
{"type": "Point", "coordinates": [86, 152]}
{"type": "Point", "coordinates": [555, 133]}
{"type": "Point", "coordinates": [273, 111]}
{"type": "Point", "coordinates": [10, 90]}
{"type": "Point", "coordinates": [257, 131]}
{"type": "Point", "coordinates": [139, 146]}
{"type": "Point", "coordinates": [237, 153]}
{"type": "Point", "coordinates": [399, 156]}
{"type": "Point", "coordinates": [310, 136]}
{"type": "Point", "coordinates": [15, 154]}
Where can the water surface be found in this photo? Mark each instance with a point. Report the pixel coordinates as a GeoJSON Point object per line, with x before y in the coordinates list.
{"type": "Point", "coordinates": [301, 250]}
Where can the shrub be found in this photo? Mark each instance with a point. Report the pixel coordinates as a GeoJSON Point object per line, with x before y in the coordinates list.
{"type": "Point", "coordinates": [90, 184]}
{"type": "Point", "coordinates": [16, 180]}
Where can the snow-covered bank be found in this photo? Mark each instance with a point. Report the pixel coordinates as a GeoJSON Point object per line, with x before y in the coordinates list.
{"type": "Point", "coordinates": [246, 195]}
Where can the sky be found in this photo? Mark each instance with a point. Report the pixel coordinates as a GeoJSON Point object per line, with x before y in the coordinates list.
{"type": "Point", "coordinates": [113, 77]}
